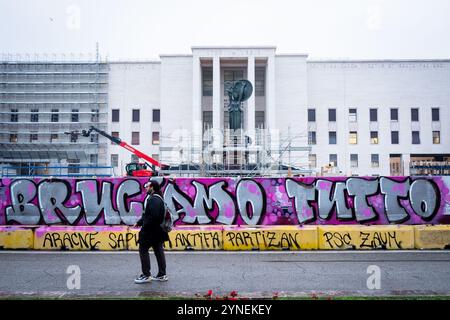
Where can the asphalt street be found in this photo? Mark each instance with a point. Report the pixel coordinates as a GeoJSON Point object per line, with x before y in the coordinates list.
{"type": "Point", "coordinates": [250, 274]}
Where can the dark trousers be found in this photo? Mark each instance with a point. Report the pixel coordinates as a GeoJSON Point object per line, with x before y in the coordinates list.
{"type": "Point", "coordinates": [145, 258]}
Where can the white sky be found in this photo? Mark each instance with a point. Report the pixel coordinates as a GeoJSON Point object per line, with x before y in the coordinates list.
{"type": "Point", "coordinates": [133, 29]}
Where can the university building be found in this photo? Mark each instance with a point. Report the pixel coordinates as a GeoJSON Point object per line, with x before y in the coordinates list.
{"type": "Point", "coordinates": [305, 116]}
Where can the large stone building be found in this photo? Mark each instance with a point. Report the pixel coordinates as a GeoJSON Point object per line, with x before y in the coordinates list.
{"type": "Point", "coordinates": [365, 117]}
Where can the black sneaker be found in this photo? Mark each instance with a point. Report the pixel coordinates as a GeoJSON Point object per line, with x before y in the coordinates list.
{"type": "Point", "coordinates": [142, 279]}
{"type": "Point", "coordinates": [160, 278]}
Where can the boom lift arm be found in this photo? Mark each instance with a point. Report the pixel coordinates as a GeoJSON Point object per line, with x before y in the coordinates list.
{"type": "Point", "coordinates": [125, 145]}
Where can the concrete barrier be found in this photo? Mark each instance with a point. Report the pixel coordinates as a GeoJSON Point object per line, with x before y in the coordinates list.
{"type": "Point", "coordinates": [234, 238]}
{"type": "Point", "coordinates": [187, 238]}
{"type": "Point", "coordinates": [366, 237]}
{"type": "Point", "coordinates": [432, 237]}
{"type": "Point", "coordinates": [270, 238]}
{"type": "Point", "coordinates": [80, 238]}
{"type": "Point", "coordinates": [12, 237]}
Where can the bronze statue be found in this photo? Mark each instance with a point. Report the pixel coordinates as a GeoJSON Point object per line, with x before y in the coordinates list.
{"type": "Point", "coordinates": [239, 92]}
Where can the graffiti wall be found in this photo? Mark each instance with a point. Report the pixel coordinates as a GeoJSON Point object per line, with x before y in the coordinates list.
{"type": "Point", "coordinates": [229, 201]}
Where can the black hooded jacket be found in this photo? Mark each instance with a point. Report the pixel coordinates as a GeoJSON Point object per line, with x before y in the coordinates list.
{"type": "Point", "coordinates": [151, 232]}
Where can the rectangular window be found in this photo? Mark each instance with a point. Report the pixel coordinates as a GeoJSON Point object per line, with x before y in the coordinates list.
{"type": "Point", "coordinates": [394, 114]}
{"type": "Point", "coordinates": [207, 120]}
{"type": "Point", "coordinates": [230, 77]}
{"type": "Point", "coordinates": [94, 137]}
{"type": "Point", "coordinates": [34, 115]}
{"type": "Point", "coordinates": [136, 115]}
{"type": "Point", "coordinates": [55, 115]}
{"type": "Point", "coordinates": [415, 137]}
{"type": "Point", "coordinates": [374, 158]}
{"type": "Point", "coordinates": [435, 114]}
{"type": "Point", "coordinates": [156, 116]}
{"type": "Point", "coordinates": [260, 81]}
{"type": "Point", "coordinates": [134, 158]}
{"type": "Point", "coordinates": [332, 115]}
{"type": "Point", "coordinates": [13, 137]}
{"type": "Point", "coordinates": [312, 137]}
{"type": "Point", "coordinates": [155, 137]}
{"type": "Point", "coordinates": [352, 115]}
{"type": "Point", "coordinates": [373, 115]}
{"type": "Point", "coordinates": [135, 138]}
{"type": "Point", "coordinates": [332, 137]}
{"type": "Point", "coordinates": [93, 159]}
{"type": "Point", "coordinates": [115, 134]}
{"type": "Point", "coordinates": [54, 137]}
{"type": "Point", "coordinates": [73, 138]}
{"type": "Point", "coordinates": [94, 115]}
{"type": "Point", "coordinates": [311, 115]}
{"type": "Point", "coordinates": [114, 160]}
{"type": "Point", "coordinates": [207, 81]}
{"type": "Point", "coordinates": [14, 115]}
{"type": "Point", "coordinates": [414, 114]}
{"type": "Point", "coordinates": [75, 115]}
{"type": "Point", "coordinates": [436, 137]}
{"type": "Point", "coordinates": [312, 161]}
{"type": "Point", "coordinates": [333, 160]}
{"type": "Point", "coordinates": [354, 160]}
{"type": "Point", "coordinates": [155, 156]}
{"type": "Point", "coordinates": [374, 137]}
{"type": "Point", "coordinates": [33, 137]}
{"type": "Point", "coordinates": [115, 115]}
{"type": "Point", "coordinates": [260, 119]}
{"type": "Point", "coordinates": [353, 137]}
{"type": "Point", "coordinates": [394, 137]}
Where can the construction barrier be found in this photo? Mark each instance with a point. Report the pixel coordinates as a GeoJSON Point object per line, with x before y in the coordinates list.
{"type": "Point", "coordinates": [432, 237]}
{"type": "Point", "coordinates": [270, 238]}
{"type": "Point", "coordinates": [80, 238]}
{"type": "Point", "coordinates": [233, 238]}
{"type": "Point", "coordinates": [366, 237]}
{"type": "Point", "coordinates": [12, 237]}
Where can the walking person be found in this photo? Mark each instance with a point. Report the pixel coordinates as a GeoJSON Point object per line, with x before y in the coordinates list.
{"type": "Point", "coordinates": [152, 235]}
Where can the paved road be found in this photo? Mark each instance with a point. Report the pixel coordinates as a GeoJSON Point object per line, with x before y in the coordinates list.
{"type": "Point", "coordinates": [251, 274]}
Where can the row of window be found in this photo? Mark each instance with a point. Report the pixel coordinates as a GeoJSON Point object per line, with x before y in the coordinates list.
{"type": "Point", "coordinates": [136, 115]}
{"type": "Point", "coordinates": [54, 117]}
{"type": "Point", "coordinates": [54, 137]}
{"type": "Point", "coordinates": [373, 114]}
{"type": "Point", "coordinates": [135, 137]}
{"type": "Point", "coordinates": [229, 78]}
{"type": "Point", "coordinates": [374, 139]}
{"type": "Point", "coordinates": [333, 160]}
{"type": "Point", "coordinates": [208, 119]}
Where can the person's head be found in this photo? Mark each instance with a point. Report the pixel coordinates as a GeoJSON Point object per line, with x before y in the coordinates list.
{"type": "Point", "coordinates": [152, 187]}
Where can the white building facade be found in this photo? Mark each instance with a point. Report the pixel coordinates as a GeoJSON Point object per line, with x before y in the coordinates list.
{"type": "Point", "coordinates": [319, 117]}
{"type": "Point", "coordinates": [363, 117]}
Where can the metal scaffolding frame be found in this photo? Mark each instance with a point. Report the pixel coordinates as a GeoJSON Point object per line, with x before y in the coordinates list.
{"type": "Point", "coordinates": [77, 89]}
{"type": "Point", "coordinates": [239, 156]}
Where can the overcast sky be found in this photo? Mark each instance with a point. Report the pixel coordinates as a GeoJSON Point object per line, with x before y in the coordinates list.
{"type": "Point", "coordinates": [135, 29]}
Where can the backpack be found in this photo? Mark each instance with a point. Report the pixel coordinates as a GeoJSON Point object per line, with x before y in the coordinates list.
{"type": "Point", "coordinates": [167, 224]}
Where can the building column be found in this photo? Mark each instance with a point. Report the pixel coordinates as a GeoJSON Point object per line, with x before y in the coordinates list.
{"type": "Point", "coordinates": [196, 133]}
{"type": "Point", "coordinates": [270, 106]}
{"type": "Point", "coordinates": [216, 100]}
{"type": "Point", "coordinates": [251, 108]}
{"type": "Point", "coordinates": [405, 163]}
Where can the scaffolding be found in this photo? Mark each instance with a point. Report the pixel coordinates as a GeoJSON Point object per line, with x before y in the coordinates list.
{"type": "Point", "coordinates": [41, 99]}
{"type": "Point", "coordinates": [238, 154]}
